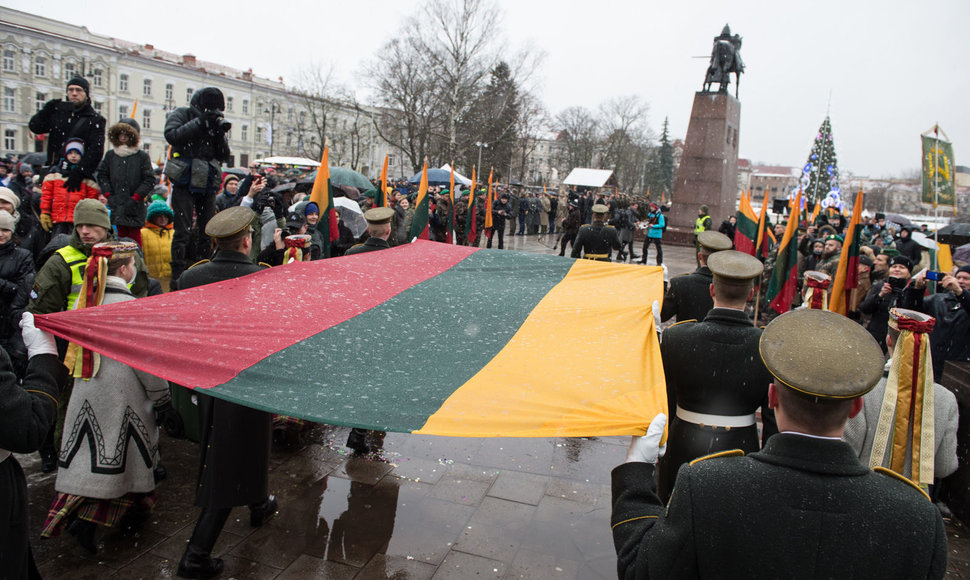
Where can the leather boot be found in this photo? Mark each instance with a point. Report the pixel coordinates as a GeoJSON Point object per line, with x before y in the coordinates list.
{"type": "Point", "coordinates": [260, 513]}
{"type": "Point", "coordinates": [197, 561]}
{"type": "Point", "coordinates": [85, 532]}
{"type": "Point", "coordinates": [357, 440]}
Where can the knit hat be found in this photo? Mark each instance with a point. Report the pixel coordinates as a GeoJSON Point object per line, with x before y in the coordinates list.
{"type": "Point", "coordinates": [311, 207]}
{"type": "Point", "coordinates": [157, 208]}
{"type": "Point", "coordinates": [705, 209]}
{"type": "Point", "coordinates": [230, 177]}
{"type": "Point", "coordinates": [9, 196]}
{"type": "Point", "coordinates": [902, 261]}
{"type": "Point", "coordinates": [25, 167]}
{"type": "Point", "coordinates": [7, 221]}
{"type": "Point", "coordinates": [91, 212]}
{"type": "Point", "coordinates": [74, 145]}
{"type": "Point", "coordinates": [964, 269]}
{"type": "Point", "coordinates": [79, 81]}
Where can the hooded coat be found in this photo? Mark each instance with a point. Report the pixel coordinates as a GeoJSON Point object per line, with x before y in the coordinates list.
{"type": "Point", "coordinates": [125, 176]}
{"type": "Point", "coordinates": [186, 132]}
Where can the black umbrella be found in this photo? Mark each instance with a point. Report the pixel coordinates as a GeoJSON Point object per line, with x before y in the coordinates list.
{"type": "Point", "coordinates": [241, 172]}
{"type": "Point", "coordinates": [283, 187]}
{"type": "Point", "coordinates": [34, 159]}
{"type": "Point", "coordinates": [898, 219]}
{"type": "Point", "coordinates": [954, 234]}
{"type": "Point", "coordinates": [962, 254]}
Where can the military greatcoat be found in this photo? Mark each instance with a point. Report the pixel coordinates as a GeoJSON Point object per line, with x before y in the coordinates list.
{"type": "Point", "coordinates": [234, 441]}
{"type": "Point", "coordinates": [369, 245]}
{"type": "Point", "coordinates": [596, 241]}
{"type": "Point", "coordinates": [712, 367]}
{"type": "Point", "coordinates": [689, 296]}
{"type": "Point", "coordinates": [802, 507]}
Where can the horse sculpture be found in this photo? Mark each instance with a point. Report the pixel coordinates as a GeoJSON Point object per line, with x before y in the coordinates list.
{"type": "Point", "coordinates": [725, 59]}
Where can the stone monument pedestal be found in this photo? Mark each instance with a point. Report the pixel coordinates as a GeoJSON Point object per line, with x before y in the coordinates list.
{"type": "Point", "coordinates": [708, 172]}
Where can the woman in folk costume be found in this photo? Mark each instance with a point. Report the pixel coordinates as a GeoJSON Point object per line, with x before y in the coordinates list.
{"type": "Point", "coordinates": [908, 423]}
{"type": "Point", "coordinates": [110, 444]}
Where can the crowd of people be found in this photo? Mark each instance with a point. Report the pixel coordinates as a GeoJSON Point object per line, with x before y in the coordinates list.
{"type": "Point", "coordinates": [100, 227]}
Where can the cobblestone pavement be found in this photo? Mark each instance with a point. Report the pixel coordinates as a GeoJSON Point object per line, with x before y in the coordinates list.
{"type": "Point", "coordinates": [423, 507]}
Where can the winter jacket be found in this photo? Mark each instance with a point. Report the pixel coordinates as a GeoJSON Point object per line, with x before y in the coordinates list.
{"type": "Point", "coordinates": [62, 120]}
{"type": "Point", "coordinates": [186, 132]}
{"type": "Point", "coordinates": [909, 248]}
{"type": "Point", "coordinates": [125, 177]}
{"type": "Point", "coordinates": [57, 201]}
{"type": "Point", "coordinates": [156, 243]}
{"type": "Point", "coordinates": [571, 224]}
{"type": "Point", "coordinates": [546, 206]}
{"type": "Point", "coordinates": [950, 338]}
{"type": "Point", "coordinates": [16, 278]}
{"type": "Point", "coordinates": [500, 211]}
{"type": "Point", "coordinates": [31, 236]}
{"type": "Point", "coordinates": [656, 229]}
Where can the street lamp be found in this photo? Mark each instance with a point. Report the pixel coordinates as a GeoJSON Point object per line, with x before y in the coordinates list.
{"type": "Point", "coordinates": [480, 145]}
{"type": "Point", "coordinates": [274, 107]}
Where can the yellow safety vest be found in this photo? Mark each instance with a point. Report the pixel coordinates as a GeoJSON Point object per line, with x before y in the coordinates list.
{"type": "Point", "coordinates": [75, 259]}
{"type": "Point", "coordinates": [699, 225]}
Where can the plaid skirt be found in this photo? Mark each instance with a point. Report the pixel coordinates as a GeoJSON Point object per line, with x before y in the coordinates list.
{"type": "Point", "coordinates": [104, 512]}
{"type": "Point", "coordinates": [285, 423]}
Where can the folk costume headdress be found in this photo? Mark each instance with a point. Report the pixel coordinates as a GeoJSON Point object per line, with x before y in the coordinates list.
{"type": "Point", "coordinates": [296, 248]}
{"type": "Point", "coordinates": [906, 425]}
{"type": "Point", "coordinates": [84, 363]}
{"type": "Point", "coordinates": [816, 286]}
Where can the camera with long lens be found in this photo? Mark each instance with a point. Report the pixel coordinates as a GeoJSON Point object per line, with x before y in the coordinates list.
{"type": "Point", "coordinates": [219, 123]}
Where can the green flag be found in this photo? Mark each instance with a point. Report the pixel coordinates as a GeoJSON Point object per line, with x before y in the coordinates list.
{"type": "Point", "coordinates": [938, 170]}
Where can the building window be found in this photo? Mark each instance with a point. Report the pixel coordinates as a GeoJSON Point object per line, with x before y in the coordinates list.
{"type": "Point", "coordinates": [10, 139]}
{"type": "Point", "coordinates": [98, 107]}
{"type": "Point", "coordinates": [188, 96]}
{"type": "Point", "coordinates": [146, 147]}
{"type": "Point", "coordinates": [146, 119]}
{"type": "Point", "coordinates": [9, 100]}
{"type": "Point", "coordinates": [390, 161]}
{"type": "Point", "coordinates": [123, 83]}
{"type": "Point", "coordinates": [123, 111]}
{"type": "Point", "coordinates": [259, 134]}
{"type": "Point", "coordinates": [229, 104]}
{"type": "Point", "coordinates": [245, 106]}
{"type": "Point", "coordinates": [289, 115]}
{"type": "Point", "coordinates": [68, 71]}
{"type": "Point", "coordinates": [98, 77]}
{"type": "Point", "coordinates": [40, 66]}
{"type": "Point", "coordinates": [147, 87]}
{"type": "Point", "coordinates": [169, 92]}
{"type": "Point", "coordinates": [39, 100]}
{"type": "Point", "coordinates": [9, 61]}
{"type": "Point", "coordinates": [245, 131]}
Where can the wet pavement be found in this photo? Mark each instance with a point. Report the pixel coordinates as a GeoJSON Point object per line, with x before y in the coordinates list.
{"type": "Point", "coordinates": [423, 507]}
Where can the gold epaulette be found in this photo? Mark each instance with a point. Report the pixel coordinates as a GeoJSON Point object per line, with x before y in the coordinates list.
{"type": "Point", "coordinates": [264, 264]}
{"type": "Point", "coordinates": [894, 475]}
{"type": "Point", "coordinates": [728, 453]}
{"type": "Point", "coordinates": [681, 322]}
{"type": "Point", "coordinates": [199, 263]}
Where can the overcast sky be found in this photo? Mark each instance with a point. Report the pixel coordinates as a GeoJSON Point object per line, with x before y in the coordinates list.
{"type": "Point", "coordinates": [885, 71]}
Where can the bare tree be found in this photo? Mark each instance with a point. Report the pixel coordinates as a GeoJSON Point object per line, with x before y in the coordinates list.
{"type": "Point", "coordinates": [533, 124]}
{"type": "Point", "coordinates": [322, 98]}
{"type": "Point", "coordinates": [579, 131]}
{"type": "Point", "coordinates": [626, 138]}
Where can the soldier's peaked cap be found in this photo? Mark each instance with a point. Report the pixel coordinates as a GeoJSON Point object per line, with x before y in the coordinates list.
{"type": "Point", "coordinates": [734, 266]}
{"type": "Point", "coordinates": [229, 222]}
{"type": "Point", "coordinates": [601, 208]}
{"type": "Point", "coordinates": [378, 215]}
{"type": "Point", "coordinates": [714, 241]}
{"type": "Point", "coordinates": [821, 354]}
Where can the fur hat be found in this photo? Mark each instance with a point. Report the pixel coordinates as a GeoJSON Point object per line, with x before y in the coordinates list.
{"type": "Point", "coordinates": [128, 126]}
{"type": "Point", "coordinates": [79, 81]}
{"type": "Point", "coordinates": [91, 212]}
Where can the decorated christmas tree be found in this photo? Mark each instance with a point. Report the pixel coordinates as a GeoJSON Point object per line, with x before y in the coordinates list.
{"type": "Point", "coordinates": [820, 176]}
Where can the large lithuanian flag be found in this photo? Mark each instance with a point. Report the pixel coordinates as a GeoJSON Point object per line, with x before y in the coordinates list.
{"type": "Point", "coordinates": [473, 342]}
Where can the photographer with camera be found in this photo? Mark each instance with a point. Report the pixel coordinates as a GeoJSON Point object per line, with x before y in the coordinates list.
{"type": "Point", "coordinates": [197, 134]}
{"type": "Point", "coordinates": [950, 306]}
{"type": "Point", "coordinates": [895, 292]}
{"type": "Point", "coordinates": [72, 118]}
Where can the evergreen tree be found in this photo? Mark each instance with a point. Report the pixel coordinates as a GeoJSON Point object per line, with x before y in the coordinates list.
{"type": "Point", "coordinates": [820, 176]}
{"type": "Point", "coordinates": [666, 160]}
{"type": "Point", "coordinates": [492, 119]}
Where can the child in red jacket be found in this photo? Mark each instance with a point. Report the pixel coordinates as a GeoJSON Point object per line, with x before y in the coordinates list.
{"type": "Point", "coordinates": [63, 188]}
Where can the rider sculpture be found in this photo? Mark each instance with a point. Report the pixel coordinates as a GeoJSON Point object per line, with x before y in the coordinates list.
{"type": "Point", "coordinates": [725, 59]}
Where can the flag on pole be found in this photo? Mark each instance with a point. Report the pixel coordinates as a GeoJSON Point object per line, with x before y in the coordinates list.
{"type": "Point", "coordinates": [322, 195]}
{"type": "Point", "coordinates": [488, 201]}
{"type": "Point", "coordinates": [419, 223]}
{"type": "Point", "coordinates": [746, 232]}
{"type": "Point", "coordinates": [815, 211]}
{"type": "Point", "coordinates": [383, 193]}
{"type": "Point", "coordinates": [134, 108]}
{"type": "Point", "coordinates": [471, 219]}
{"type": "Point", "coordinates": [761, 245]}
{"type": "Point", "coordinates": [784, 278]}
{"type": "Point", "coordinates": [939, 170]}
{"type": "Point", "coordinates": [847, 274]}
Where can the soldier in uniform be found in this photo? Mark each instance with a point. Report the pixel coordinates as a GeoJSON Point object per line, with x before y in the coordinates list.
{"type": "Point", "coordinates": [689, 295]}
{"type": "Point", "coordinates": [804, 506]}
{"type": "Point", "coordinates": [235, 441]}
{"type": "Point", "coordinates": [363, 441]}
{"type": "Point", "coordinates": [715, 378]}
{"type": "Point", "coordinates": [597, 240]}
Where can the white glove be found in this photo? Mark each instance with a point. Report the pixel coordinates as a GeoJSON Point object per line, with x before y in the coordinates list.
{"type": "Point", "coordinates": [655, 307]}
{"type": "Point", "coordinates": [647, 449]}
{"type": "Point", "coordinates": [36, 340]}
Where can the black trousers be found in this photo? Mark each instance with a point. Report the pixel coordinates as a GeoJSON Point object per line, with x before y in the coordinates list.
{"type": "Point", "coordinates": [185, 205]}
{"type": "Point", "coordinates": [501, 237]}
{"type": "Point", "coordinates": [660, 250]}
{"type": "Point", "coordinates": [567, 239]}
